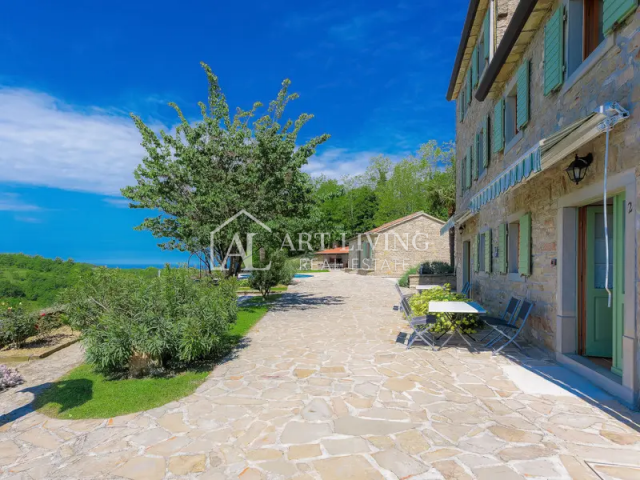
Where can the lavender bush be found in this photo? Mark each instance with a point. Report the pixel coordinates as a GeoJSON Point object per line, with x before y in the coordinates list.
{"type": "Point", "coordinates": [9, 377]}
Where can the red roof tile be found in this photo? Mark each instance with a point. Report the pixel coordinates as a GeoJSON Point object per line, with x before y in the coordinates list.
{"type": "Point", "coordinates": [333, 251]}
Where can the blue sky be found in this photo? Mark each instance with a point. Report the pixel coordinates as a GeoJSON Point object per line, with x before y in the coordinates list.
{"type": "Point", "coordinates": [374, 74]}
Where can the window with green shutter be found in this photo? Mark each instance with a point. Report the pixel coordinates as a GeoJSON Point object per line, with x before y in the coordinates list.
{"type": "Point", "coordinates": [502, 248]}
{"type": "Point", "coordinates": [474, 157]}
{"type": "Point", "coordinates": [487, 35]}
{"type": "Point", "coordinates": [468, 171]}
{"type": "Point", "coordinates": [498, 126]}
{"type": "Point", "coordinates": [474, 67]}
{"type": "Point", "coordinates": [468, 87]}
{"type": "Point", "coordinates": [524, 263]}
{"type": "Point", "coordinates": [487, 251]}
{"type": "Point", "coordinates": [476, 253]}
{"type": "Point", "coordinates": [522, 107]}
{"type": "Point", "coordinates": [485, 142]}
{"type": "Point", "coordinates": [615, 11]}
{"type": "Point", "coordinates": [554, 51]}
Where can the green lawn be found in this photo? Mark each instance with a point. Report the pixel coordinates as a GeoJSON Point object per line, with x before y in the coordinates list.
{"type": "Point", "coordinates": [82, 393]}
{"type": "Point", "coordinates": [312, 271]}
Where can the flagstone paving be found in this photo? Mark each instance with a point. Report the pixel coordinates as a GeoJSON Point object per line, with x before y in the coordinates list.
{"type": "Point", "coordinates": [322, 390]}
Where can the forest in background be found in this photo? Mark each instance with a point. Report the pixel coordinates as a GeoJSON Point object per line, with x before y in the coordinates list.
{"type": "Point", "coordinates": [387, 191]}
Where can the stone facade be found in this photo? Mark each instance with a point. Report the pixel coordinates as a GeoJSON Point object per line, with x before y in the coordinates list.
{"type": "Point", "coordinates": [611, 76]}
{"type": "Point", "coordinates": [400, 246]}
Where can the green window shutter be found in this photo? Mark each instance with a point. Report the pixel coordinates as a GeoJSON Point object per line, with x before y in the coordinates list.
{"type": "Point", "coordinates": [502, 248]}
{"type": "Point", "coordinates": [474, 67]}
{"type": "Point", "coordinates": [524, 264]}
{"type": "Point", "coordinates": [476, 254]}
{"type": "Point", "coordinates": [468, 171]}
{"type": "Point", "coordinates": [554, 51]}
{"type": "Point", "coordinates": [474, 157]}
{"type": "Point", "coordinates": [498, 126]}
{"type": "Point", "coordinates": [468, 85]}
{"type": "Point", "coordinates": [485, 142]}
{"type": "Point", "coordinates": [522, 113]}
{"type": "Point", "coordinates": [487, 35]}
{"type": "Point", "coordinates": [487, 251]}
{"type": "Point", "coordinates": [615, 11]}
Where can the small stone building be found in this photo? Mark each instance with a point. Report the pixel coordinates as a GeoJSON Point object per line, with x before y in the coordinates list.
{"type": "Point", "coordinates": [547, 96]}
{"type": "Point", "coordinates": [391, 249]}
{"type": "Point", "coordinates": [332, 258]}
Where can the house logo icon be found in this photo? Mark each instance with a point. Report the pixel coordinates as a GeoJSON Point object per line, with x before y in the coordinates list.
{"type": "Point", "coordinates": [237, 248]}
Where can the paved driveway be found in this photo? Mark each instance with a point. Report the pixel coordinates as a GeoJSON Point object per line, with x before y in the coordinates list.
{"type": "Point", "coordinates": [323, 391]}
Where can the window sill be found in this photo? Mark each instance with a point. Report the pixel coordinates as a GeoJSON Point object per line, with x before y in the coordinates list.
{"type": "Point", "coordinates": [513, 142]}
{"type": "Point", "coordinates": [589, 63]}
{"type": "Point", "coordinates": [515, 277]}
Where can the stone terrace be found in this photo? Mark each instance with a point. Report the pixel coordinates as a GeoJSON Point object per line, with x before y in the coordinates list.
{"type": "Point", "coordinates": [321, 390]}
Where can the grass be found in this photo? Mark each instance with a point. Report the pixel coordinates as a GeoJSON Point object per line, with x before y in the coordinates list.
{"type": "Point", "coordinates": [312, 271]}
{"type": "Point", "coordinates": [83, 393]}
{"type": "Point", "coordinates": [277, 288]}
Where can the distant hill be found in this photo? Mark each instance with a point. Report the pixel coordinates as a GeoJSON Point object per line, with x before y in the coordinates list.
{"type": "Point", "coordinates": [36, 281]}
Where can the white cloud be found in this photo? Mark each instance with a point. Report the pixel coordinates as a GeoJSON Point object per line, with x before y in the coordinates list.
{"type": "Point", "coordinates": [21, 218]}
{"type": "Point", "coordinates": [118, 202]}
{"type": "Point", "coordinates": [337, 162]}
{"type": "Point", "coordinates": [46, 142]}
{"type": "Point", "coordinates": [11, 202]}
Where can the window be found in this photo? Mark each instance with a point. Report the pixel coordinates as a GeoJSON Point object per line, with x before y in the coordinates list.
{"type": "Point", "coordinates": [510, 115]}
{"type": "Point", "coordinates": [462, 100]}
{"type": "Point", "coordinates": [584, 31]}
{"type": "Point", "coordinates": [482, 61]}
{"type": "Point", "coordinates": [480, 150]}
{"type": "Point", "coordinates": [513, 247]}
{"type": "Point", "coordinates": [481, 252]}
{"type": "Point", "coordinates": [463, 171]}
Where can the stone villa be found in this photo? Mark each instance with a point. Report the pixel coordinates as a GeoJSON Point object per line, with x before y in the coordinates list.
{"type": "Point", "coordinates": [394, 247]}
{"type": "Point", "coordinates": [548, 149]}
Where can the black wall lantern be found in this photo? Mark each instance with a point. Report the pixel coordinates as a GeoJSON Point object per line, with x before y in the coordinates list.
{"type": "Point", "coordinates": [577, 169]}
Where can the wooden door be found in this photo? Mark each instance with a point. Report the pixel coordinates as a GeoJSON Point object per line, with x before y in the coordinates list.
{"type": "Point", "coordinates": [466, 262]}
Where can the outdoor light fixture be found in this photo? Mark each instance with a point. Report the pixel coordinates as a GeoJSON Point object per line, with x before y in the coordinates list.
{"type": "Point", "coordinates": [577, 169]}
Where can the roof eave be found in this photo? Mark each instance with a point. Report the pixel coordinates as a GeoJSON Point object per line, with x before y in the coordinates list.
{"type": "Point", "coordinates": [464, 39]}
{"type": "Point", "coordinates": [511, 34]}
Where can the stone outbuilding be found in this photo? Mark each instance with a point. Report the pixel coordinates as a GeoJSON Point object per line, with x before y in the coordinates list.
{"type": "Point", "coordinates": [547, 96]}
{"type": "Point", "coordinates": [394, 247]}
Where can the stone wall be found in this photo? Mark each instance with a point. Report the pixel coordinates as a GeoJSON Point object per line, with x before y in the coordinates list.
{"type": "Point", "coordinates": [613, 78]}
{"type": "Point", "coordinates": [395, 250]}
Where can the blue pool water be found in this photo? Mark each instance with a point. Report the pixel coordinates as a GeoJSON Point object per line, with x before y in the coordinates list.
{"type": "Point", "coordinates": [302, 275]}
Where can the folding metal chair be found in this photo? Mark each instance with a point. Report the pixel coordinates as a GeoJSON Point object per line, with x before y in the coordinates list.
{"type": "Point", "coordinates": [512, 330]}
{"type": "Point", "coordinates": [506, 319]}
{"type": "Point", "coordinates": [402, 295]}
{"type": "Point", "coordinates": [466, 289]}
{"type": "Point", "coordinates": [420, 325]}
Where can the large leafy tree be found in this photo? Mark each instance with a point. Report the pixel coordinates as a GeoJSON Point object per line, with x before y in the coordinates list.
{"type": "Point", "coordinates": [209, 170]}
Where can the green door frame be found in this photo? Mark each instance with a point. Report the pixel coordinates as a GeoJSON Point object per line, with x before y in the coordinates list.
{"type": "Point", "coordinates": [619, 212]}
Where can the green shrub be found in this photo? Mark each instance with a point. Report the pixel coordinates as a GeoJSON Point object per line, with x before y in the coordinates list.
{"type": "Point", "coordinates": [404, 279]}
{"type": "Point", "coordinates": [16, 325]}
{"type": "Point", "coordinates": [166, 320]}
{"type": "Point", "coordinates": [280, 272]}
{"type": "Point", "coordinates": [436, 268]}
{"type": "Point", "coordinates": [420, 306]}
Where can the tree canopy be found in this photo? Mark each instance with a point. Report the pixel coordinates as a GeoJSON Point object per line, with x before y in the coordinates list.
{"type": "Point", "coordinates": [211, 169]}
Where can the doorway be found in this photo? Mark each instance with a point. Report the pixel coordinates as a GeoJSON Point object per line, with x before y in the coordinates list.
{"type": "Point", "coordinates": [600, 295]}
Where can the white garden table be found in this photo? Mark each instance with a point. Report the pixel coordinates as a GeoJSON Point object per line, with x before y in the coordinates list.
{"type": "Point", "coordinates": [450, 309]}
